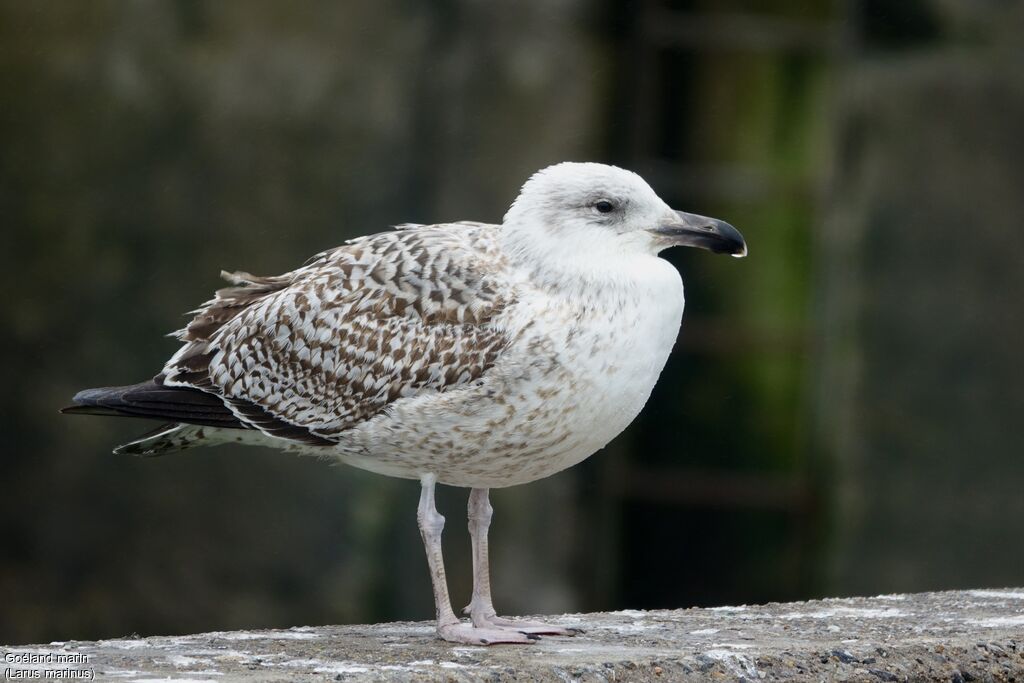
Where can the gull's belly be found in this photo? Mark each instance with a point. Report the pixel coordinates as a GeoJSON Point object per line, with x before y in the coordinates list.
{"type": "Point", "coordinates": [575, 379]}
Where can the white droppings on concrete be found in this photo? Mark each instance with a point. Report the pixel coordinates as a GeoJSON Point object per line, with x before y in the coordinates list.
{"type": "Point", "coordinates": [739, 608]}
{"type": "Point", "coordinates": [846, 612]}
{"type": "Point", "coordinates": [737, 664]}
{"type": "Point", "coordinates": [634, 627]}
{"type": "Point", "coordinates": [181, 661]}
{"type": "Point", "coordinates": [325, 667]}
{"type": "Point", "coordinates": [243, 657]}
{"type": "Point", "coordinates": [341, 668]}
{"type": "Point", "coordinates": [631, 613]}
{"type": "Point", "coordinates": [998, 595]}
{"type": "Point", "coordinates": [404, 629]}
{"type": "Point", "coordinates": [704, 632]}
{"type": "Point", "coordinates": [734, 646]}
{"type": "Point", "coordinates": [453, 665]}
{"type": "Point", "coordinates": [419, 666]}
{"type": "Point", "coordinates": [892, 596]}
{"type": "Point", "coordinates": [996, 622]}
{"type": "Point", "coordinates": [123, 644]}
{"type": "Point", "coordinates": [267, 635]}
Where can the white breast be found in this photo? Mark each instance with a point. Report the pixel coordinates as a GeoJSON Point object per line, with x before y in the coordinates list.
{"type": "Point", "coordinates": [620, 353]}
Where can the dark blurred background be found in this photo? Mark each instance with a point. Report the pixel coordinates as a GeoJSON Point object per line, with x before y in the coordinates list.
{"type": "Point", "coordinates": [843, 413]}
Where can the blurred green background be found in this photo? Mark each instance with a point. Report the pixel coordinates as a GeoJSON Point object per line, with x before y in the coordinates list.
{"type": "Point", "coordinates": [843, 411]}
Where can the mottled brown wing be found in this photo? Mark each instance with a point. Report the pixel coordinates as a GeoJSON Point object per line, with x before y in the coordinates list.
{"type": "Point", "coordinates": [309, 354]}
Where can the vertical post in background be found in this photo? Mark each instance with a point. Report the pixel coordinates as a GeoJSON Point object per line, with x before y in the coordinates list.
{"type": "Point", "coordinates": [716, 484]}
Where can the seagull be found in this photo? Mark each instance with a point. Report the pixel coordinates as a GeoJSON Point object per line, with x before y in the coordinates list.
{"type": "Point", "coordinates": [467, 354]}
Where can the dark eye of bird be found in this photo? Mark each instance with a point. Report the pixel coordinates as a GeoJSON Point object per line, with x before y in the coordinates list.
{"type": "Point", "coordinates": [604, 206]}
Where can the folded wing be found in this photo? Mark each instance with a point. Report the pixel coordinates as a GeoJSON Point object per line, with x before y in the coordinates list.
{"type": "Point", "coordinates": [309, 354]}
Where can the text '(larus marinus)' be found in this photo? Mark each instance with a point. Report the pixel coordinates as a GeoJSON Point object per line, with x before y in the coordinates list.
{"type": "Point", "coordinates": [466, 354]}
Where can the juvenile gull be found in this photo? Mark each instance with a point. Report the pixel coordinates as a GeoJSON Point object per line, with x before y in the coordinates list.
{"type": "Point", "coordinates": [467, 354]}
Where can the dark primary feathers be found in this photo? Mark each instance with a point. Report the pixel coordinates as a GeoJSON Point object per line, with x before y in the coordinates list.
{"type": "Point", "coordinates": [154, 400]}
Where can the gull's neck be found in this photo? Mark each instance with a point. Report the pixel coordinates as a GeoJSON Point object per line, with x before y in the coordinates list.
{"type": "Point", "coordinates": [575, 266]}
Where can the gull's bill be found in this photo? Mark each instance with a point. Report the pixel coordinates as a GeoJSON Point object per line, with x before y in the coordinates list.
{"type": "Point", "coordinates": [691, 230]}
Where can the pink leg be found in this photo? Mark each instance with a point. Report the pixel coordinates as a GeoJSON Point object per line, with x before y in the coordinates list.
{"type": "Point", "coordinates": [481, 609]}
{"type": "Point", "coordinates": [449, 627]}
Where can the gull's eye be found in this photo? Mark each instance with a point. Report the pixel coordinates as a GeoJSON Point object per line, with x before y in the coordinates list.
{"type": "Point", "coordinates": [604, 206]}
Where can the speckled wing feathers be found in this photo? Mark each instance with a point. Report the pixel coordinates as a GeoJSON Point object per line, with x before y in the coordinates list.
{"type": "Point", "coordinates": [309, 354]}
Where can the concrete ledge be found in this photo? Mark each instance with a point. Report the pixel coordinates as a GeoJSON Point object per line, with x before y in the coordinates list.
{"type": "Point", "coordinates": [955, 636]}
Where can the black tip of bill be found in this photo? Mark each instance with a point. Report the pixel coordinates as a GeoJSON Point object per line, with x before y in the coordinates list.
{"type": "Point", "coordinates": [691, 230]}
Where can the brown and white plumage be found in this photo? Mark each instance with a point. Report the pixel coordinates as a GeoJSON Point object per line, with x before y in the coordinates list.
{"type": "Point", "coordinates": [470, 354]}
{"type": "Point", "coordinates": [307, 355]}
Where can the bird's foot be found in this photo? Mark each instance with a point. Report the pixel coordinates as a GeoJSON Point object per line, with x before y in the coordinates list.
{"type": "Point", "coordinates": [533, 628]}
{"type": "Point", "coordinates": [468, 634]}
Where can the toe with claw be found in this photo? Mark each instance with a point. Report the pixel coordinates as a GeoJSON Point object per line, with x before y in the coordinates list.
{"type": "Point", "coordinates": [468, 634]}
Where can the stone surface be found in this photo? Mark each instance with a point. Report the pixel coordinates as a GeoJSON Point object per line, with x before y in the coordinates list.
{"type": "Point", "coordinates": [951, 636]}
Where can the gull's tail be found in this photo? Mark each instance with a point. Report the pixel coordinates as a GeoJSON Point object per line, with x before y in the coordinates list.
{"type": "Point", "coordinates": [170, 438]}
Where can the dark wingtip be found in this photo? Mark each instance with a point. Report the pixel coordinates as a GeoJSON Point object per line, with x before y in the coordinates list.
{"type": "Point", "coordinates": [152, 400]}
{"type": "Point", "coordinates": [89, 396]}
{"type": "Point", "coordinates": [87, 410]}
{"type": "Point", "coordinates": [88, 402]}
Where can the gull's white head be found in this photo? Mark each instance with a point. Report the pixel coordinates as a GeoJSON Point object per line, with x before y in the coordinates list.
{"type": "Point", "coordinates": [604, 212]}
